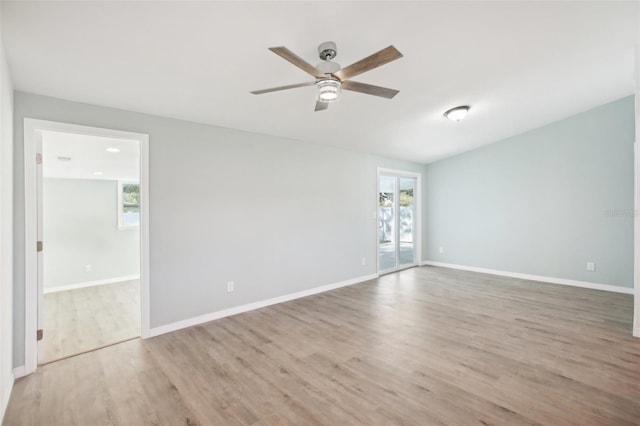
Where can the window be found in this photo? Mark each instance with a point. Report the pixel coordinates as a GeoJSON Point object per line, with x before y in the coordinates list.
{"type": "Point", "coordinates": [128, 205]}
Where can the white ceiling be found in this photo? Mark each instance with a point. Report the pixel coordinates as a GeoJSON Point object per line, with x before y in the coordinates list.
{"type": "Point", "coordinates": [86, 157]}
{"type": "Point", "coordinates": [518, 64]}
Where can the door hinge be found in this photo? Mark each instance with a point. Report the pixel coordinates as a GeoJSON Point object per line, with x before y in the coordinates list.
{"type": "Point", "coordinates": [38, 158]}
{"type": "Point", "coordinates": [39, 246]}
{"type": "Point", "coordinates": [40, 334]}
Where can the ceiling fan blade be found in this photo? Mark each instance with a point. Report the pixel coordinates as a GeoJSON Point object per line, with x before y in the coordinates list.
{"type": "Point", "coordinates": [297, 61]}
{"type": "Point", "coordinates": [369, 89]}
{"type": "Point", "coordinates": [275, 89]}
{"type": "Point", "coordinates": [370, 62]}
{"type": "Point", "coordinates": [321, 106]}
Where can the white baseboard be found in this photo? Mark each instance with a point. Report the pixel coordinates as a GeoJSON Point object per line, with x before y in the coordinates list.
{"type": "Point", "coordinates": [255, 305]}
{"type": "Point", "coordinates": [91, 284]}
{"type": "Point", "coordinates": [19, 372]}
{"type": "Point", "coordinates": [541, 278]}
{"type": "Point", "coordinates": [6, 396]}
{"type": "Point", "coordinates": [636, 332]}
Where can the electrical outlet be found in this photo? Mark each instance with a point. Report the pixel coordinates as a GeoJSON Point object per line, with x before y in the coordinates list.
{"type": "Point", "coordinates": [363, 261]}
{"type": "Point", "coordinates": [230, 286]}
{"type": "Point", "coordinates": [87, 268]}
{"type": "Point", "coordinates": [591, 266]}
{"type": "Point", "coordinates": [441, 250]}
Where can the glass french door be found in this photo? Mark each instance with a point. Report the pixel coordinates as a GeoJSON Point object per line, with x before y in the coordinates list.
{"type": "Point", "coordinates": [396, 222]}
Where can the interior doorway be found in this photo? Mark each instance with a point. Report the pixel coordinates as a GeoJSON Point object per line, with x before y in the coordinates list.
{"type": "Point", "coordinates": [398, 220]}
{"type": "Point", "coordinates": [89, 223]}
{"type": "Point", "coordinates": [87, 239]}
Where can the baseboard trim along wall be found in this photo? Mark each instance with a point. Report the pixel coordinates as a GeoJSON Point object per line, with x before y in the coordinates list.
{"type": "Point", "coordinates": [7, 396]}
{"type": "Point", "coordinates": [91, 284]}
{"type": "Point", "coordinates": [552, 280]}
{"type": "Point", "coordinates": [255, 305]}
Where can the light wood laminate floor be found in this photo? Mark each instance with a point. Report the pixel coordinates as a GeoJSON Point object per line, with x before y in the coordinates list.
{"type": "Point", "coordinates": [426, 346]}
{"type": "Point", "coordinates": [80, 320]}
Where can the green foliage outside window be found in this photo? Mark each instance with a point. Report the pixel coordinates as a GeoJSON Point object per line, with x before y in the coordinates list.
{"type": "Point", "coordinates": [130, 198]}
{"type": "Point", "coordinates": [406, 197]}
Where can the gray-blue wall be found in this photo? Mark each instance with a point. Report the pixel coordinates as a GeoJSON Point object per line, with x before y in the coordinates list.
{"type": "Point", "coordinates": [299, 215]}
{"type": "Point", "coordinates": [543, 203]}
{"type": "Point", "coordinates": [275, 215]}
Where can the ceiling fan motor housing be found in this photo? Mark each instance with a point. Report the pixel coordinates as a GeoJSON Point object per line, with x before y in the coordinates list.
{"type": "Point", "coordinates": [328, 67]}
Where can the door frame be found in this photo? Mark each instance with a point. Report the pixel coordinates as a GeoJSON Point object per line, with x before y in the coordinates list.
{"type": "Point", "coordinates": [32, 136]}
{"type": "Point", "coordinates": [417, 202]}
{"type": "Point", "coordinates": [636, 224]}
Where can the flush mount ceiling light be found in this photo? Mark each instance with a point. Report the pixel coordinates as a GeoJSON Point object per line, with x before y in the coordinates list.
{"type": "Point", "coordinates": [113, 149]}
{"type": "Point", "coordinates": [457, 113]}
{"type": "Point", "coordinates": [328, 90]}
{"type": "Point", "coordinates": [97, 173]}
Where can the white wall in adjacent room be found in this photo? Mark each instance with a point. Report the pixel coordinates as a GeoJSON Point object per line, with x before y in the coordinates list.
{"type": "Point", "coordinates": [82, 241]}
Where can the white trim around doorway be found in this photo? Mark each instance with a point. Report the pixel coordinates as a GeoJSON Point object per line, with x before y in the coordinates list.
{"type": "Point", "coordinates": [32, 128]}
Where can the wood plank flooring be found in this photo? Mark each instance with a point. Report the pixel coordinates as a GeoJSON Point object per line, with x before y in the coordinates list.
{"type": "Point", "coordinates": [426, 346]}
{"type": "Point", "coordinates": [76, 321]}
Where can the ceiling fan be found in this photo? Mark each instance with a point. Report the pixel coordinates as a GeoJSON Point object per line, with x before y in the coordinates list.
{"type": "Point", "coordinates": [330, 79]}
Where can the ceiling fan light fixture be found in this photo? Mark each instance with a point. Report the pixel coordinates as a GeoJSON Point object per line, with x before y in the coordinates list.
{"type": "Point", "coordinates": [457, 113]}
{"type": "Point", "coordinates": [328, 90]}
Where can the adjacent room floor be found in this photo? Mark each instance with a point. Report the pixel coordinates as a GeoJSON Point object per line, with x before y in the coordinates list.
{"type": "Point", "coordinates": [80, 320]}
{"type": "Point", "coordinates": [425, 346]}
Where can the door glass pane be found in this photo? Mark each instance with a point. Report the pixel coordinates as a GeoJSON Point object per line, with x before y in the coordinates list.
{"type": "Point", "coordinates": [387, 228]}
{"type": "Point", "coordinates": [406, 220]}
